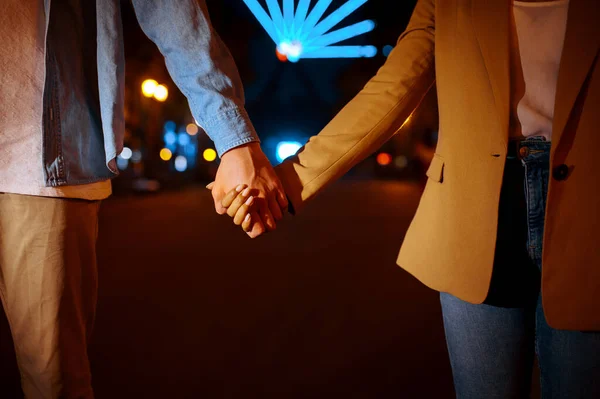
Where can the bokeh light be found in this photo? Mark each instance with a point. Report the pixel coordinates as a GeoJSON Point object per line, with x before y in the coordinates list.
{"type": "Point", "coordinates": [209, 155]}
{"type": "Point", "coordinates": [280, 56]}
{"type": "Point", "coordinates": [126, 153]}
{"type": "Point", "coordinates": [181, 163]}
{"type": "Point", "coordinates": [192, 129]}
{"type": "Point", "coordinates": [122, 163]}
{"type": "Point", "coordinates": [286, 149]}
{"type": "Point", "coordinates": [384, 159]}
{"type": "Point", "coordinates": [170, 138]}
{"type": "Point", "coordinates": [386, 50]}
{"type": "Point", "coordinates": [149, 87]}
{"type": "Point", "coordinates": [161, 93]}
{"type": "Point", "coordinates": [136, 156]}
{"type": "Point", "coordinates": [401, 161]}
{"type": "Point", "coordinates": [166, 154]}
{"type": "Point", "coordinates": [183, 139]}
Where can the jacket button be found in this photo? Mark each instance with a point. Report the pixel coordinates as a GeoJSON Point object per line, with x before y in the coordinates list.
{"type": "Point", "coordinates": [560, 172]}
{"type": "Point", "coordinates": [524, 151]}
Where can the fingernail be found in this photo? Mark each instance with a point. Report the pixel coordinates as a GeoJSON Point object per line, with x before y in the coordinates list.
{"type": "Point", "coordinates": [246, 192]}
{"type": "Point", "coordinates": [250, 201]}
{"type": "Point", "coordinates": [239, 188]}
{"type": "Point", "coordinates": [247, 218]}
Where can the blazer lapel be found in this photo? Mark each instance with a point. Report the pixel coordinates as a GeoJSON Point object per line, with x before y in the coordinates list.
{"type": "Point", "coordinates": [491, 19]}
{"type": "Point", "coordinates": [582, 40]}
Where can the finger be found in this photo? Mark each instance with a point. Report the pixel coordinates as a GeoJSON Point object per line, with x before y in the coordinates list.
{"type": "Point", "coordinates": [258, 228]}
{"type": "Point", "coordinates": [266, 216]}
{"type": "Point", "coordinates": [217, 198]}
{"type": "Point", "coordinates": [247, 223]}
{"type": "Point", "coordinates": [239, 201]}
{"type": "Point", "coordinates": [282, 200]}
{"type": "Point", "coordinates": [243, 210]}
{"type": "Point", "coordinates": [274, 207]}
{"type": "Point", "coordinates": [210, 185]}
{"type": "Point", "coordinates": [232, 195]}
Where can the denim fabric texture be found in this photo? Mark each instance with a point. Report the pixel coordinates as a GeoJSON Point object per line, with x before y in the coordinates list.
{"type": "Point", "coordinates": [83, 117]}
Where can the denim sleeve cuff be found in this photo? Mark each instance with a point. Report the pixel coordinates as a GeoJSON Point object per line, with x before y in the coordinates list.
{"type": "Point", "coordinates": [230, 129]}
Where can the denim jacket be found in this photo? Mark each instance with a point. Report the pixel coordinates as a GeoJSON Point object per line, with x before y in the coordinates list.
{"type": "Point", "coordinates": [83, 120]}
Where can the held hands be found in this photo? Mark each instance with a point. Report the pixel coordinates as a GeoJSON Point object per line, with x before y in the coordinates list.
{"type": "Point", "coordinates": [240, 204]}
{"type": "Point", "coordinates": [260, 186]}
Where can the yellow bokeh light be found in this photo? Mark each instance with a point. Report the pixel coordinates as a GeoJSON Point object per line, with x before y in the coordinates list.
{"type": "Point", "coordinates": [161, 93]}
{"type": "Point", "coordinates": [166, 154]}
{"type": "Point", "coordinates": [209, 155]}
{"type": "Point", "coordinates": [149, 87]}
{"type": "Point", "coordinates": [192, 129]}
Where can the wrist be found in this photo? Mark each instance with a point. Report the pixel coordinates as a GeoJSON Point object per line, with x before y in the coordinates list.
{"type": "Point", "coordinates": [244, 149]}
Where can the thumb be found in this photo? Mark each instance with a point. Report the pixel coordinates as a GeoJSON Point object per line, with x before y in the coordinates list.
{"type": "Point", "coordinates": [219, 208]}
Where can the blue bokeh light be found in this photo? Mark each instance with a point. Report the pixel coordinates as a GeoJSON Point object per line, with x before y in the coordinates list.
{"type": "Point", "coordinates": [170, 126]}
{"type": "Point", "coordinates": [286, 149]}
{"type": "Point", "coordinates": [126, 153]}
{"type": "Point", "coordinates": [181, 163]}
{"type": "Point", "coordinates": [183, 139]}
{"type": "Point", "coordinates": [386, 50]}
{"type": "Point", "coordinates": [122, 163]}
{"type": "Point", "coordinates": [191, 150]}
{"type": "Point", "coordinates": [170, 138]}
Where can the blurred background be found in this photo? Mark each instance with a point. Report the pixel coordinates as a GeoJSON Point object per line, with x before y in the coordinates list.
{"type": "Point", "coordinates": [287, 101]}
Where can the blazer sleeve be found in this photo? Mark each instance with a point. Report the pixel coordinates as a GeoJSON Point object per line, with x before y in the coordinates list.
{"type": "Point", "coordinates": [369, 119]}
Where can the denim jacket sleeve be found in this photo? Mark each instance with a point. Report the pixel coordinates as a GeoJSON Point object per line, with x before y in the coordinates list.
{"type": "Point", "coordinates": [201, 66]}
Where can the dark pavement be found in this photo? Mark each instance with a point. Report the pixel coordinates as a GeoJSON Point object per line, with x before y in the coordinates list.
{"type": "Point", "coordinates": [189, 307]}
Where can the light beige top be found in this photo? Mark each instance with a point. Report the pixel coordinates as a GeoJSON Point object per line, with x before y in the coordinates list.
{"type": "Point", "coordinates": [22, 75]}
{"type": "Point", "coordinates": [537, 42]}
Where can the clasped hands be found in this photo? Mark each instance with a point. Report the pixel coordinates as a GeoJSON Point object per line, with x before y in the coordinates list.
{"type": "Point", "coordinates": [247, 189]}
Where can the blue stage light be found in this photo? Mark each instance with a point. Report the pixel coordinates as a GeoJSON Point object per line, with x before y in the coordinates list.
{"type": "Point", "coordinates": [263, 18]}
{"type": "Point", "coordinates": [335, 18]}
{"type": "Point", "coordinates": [342, 52]}
{"type": "Point", "coordinates": [299, 34]}
{"type": "Point", "coordinates": [341, 34]}
{"type": "Point", "coordinates": [286, 149]}
{"type": "Point", "coordinates": [301, 13]}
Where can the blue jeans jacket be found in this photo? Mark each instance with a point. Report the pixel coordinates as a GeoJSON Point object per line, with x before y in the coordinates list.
{"type": "Point", "coordinates": [83, 119]}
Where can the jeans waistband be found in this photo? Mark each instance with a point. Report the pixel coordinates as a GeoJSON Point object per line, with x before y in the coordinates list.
{"type": "Point", "coordinates": [524, 148]}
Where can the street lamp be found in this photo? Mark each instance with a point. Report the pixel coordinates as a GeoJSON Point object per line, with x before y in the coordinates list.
{"type": "Point", "coordinates": [151, 88]}
{"type": "Point", "coordinates": [161, 93]}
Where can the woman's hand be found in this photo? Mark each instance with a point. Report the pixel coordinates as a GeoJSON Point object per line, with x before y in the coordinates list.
{"type": "Point", "coordinates": [240, 204]}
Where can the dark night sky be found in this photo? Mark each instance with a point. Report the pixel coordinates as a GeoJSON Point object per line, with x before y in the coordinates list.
{"type": "Point", "coordinates": [300, 97]}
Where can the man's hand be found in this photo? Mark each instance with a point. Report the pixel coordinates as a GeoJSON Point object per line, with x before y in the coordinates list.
{"type": "Point", "coordinates": [248, 165]}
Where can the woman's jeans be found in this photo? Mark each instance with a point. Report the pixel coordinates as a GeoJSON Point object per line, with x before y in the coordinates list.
{"type": "Point", "coordinates": [492, 345]}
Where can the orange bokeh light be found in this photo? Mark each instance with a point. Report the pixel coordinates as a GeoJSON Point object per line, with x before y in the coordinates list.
{"type": "Point", "coordinates": [384, 159]}
{"type": "Point", "coordinates": [280, 56]}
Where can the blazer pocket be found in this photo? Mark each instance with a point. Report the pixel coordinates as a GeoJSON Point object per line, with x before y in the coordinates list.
{"type": "Point", "coordinates": [436, 169]}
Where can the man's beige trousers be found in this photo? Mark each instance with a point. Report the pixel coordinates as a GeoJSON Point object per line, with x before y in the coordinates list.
{"type": "Point", "coordinates": [48, 287]}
